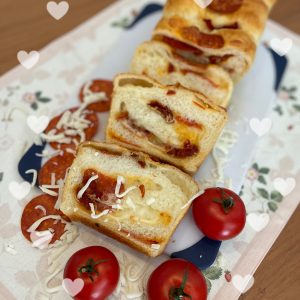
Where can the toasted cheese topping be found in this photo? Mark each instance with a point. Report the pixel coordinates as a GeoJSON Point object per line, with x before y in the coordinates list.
{"type": "Point", "coordinates": [85, 187]}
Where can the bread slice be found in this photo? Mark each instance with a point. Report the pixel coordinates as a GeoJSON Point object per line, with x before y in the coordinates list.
{"type": "Point", "coordinates": [147, 216]}
{"type": "Point", "coordinates": [171, 123]}
{"type": "Point", "coordinates": [160, 62]}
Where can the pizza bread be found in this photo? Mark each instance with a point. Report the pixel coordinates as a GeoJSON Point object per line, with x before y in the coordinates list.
{"type": "Point", "coordinates": [225, 33]}
{"type": "Point", "coordinates": [172, 123]}
{"type": "Point", "coordinates": [158, 61]}
{"type": "Point", "coordinates": [126, 195]}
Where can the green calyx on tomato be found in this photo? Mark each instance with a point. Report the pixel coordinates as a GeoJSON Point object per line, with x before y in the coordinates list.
{"type": "Point", "coordinates": [90, 268]}
{"type": "Point", "coordinates": [226, 201]}
{"type": "Point", "coordinates": [179, 293]}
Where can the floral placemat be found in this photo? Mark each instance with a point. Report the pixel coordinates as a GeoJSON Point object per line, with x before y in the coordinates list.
{"type": "Point", "coordinates": [270, 189]}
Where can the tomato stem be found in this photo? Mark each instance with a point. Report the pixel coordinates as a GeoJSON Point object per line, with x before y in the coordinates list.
{"type": "Point", "coordinates": [179, 293]}
{"type": "Point", "coordinates": [89, 267]}
{"type": "Point", "coordinates": [226, 201]}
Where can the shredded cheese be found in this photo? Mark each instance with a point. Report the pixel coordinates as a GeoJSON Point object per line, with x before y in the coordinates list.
{"type": "Point", "coordinates": [38, 222]}
{"type": "Point", "coordinates": [70, 150]}
{"type": "Point", "coordinates": [46, 153]}
{"type": "Point", "coordinates": [93, 214]}
{"type": "Point", "coordinates": [44, 238]}
{"type": "Point", "coordinates": [220, 154]}
{"type": "Point", "coordinates": [120, 181]}
{"type": "Point", "coordinates": [10, 248]}
{"type": "Point", "coordinates": [47, 190]}
{"type": "Point", "coordinates": [89, 95]}
{"type": "Point", "coordinates": [85, 187]}
{"type": "Point", "coordinates": [42, 208]}
{"type": "Point", "coordinates": [116, 206]}
{"type": "Point", "coordinates": [73, 124]}
{"type": "Point", "coordinates": [60, 183]}
{"type": "Point", "coordinates": [34, 176]}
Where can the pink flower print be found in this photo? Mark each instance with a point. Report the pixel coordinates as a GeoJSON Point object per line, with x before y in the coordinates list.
{"type": "Point", "coordinates": [29, 98]}
{"type": "Point", "coordinates": [252, 174]}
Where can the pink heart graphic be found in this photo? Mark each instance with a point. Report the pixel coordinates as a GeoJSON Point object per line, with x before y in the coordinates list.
{"type": "Point", "coordinates": [73, 287]}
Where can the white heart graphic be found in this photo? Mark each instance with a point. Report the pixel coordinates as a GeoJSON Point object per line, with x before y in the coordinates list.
{"type": "Point", "coordinates": [260, 127]}
{"type": "Point", "coordinates": [28, 60]}
{"type": "Point", "coordinates": [203, 3]}
{"type": "Point", "coordinates": [57, 10]}
{"type": "Point", "coordinates": [41, 239]}
{"type": "Point", "coordinates": [284, 186]}
{"type": "Point", "coordinates": [19, 190]}
{"type": "Point", "coordinates": [38, 124]}
{"type": "Point", "coordinates": [73, 287]}
{"type": "Point", "coordinates": [258, 221]}
{"type": "Point", "coordinates": [243, 284]}
{"type": "Point", "coordinates": [281, 47]}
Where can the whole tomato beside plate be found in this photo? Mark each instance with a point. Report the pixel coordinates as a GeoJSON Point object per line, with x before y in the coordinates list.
{"type": "Point", "coordinates": [176, 279]}
{"type": "Point", "coordinates": [219, 213]}
{"type": "Point", "coordinates": [98, 268]}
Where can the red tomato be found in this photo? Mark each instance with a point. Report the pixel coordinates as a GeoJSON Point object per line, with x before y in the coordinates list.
{"type": "Point", "coordinates": [98, 268]}
{"type": "Point", "coordinates": [219, 213]}
{"type": "Point", "coordinates": [175, 278]}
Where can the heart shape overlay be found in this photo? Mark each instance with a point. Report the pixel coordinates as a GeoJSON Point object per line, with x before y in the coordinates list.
{"type": "Point", "coordinates": [73, 288]}
{"type": "Point", "coordinates": [261, 127]}
{"type": "Point", "coordinates": [258, 221]}
{"type": "Point", "coordinates": [19, 190]}
{"type": "Point", "coordinates": [284, 186]}
{"type": "Point", "coordinates": [243, 284]}
{"type": "Point", "coordinates": [281, 47]}
{"type": "Point", "coordinates": [28, 60]}
{"type": "Point", "coordinates": [57, 10]}
{"type": "Point", "coordinates": [37, 124]}
{"type": "Point", "coordinates": [203, 3]}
